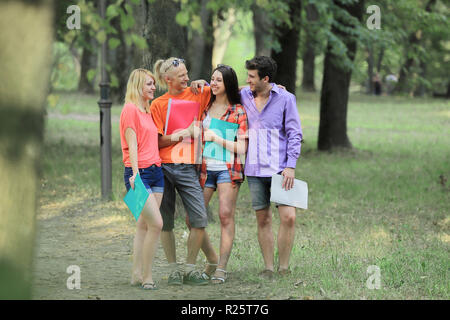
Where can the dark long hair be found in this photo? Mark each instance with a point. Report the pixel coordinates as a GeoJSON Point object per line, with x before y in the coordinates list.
{"type": "Point", "coordinates": [231, 85]}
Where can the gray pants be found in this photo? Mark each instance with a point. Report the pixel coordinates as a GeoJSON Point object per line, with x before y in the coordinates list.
{"type": "Point", "coordinates": [183, 178]}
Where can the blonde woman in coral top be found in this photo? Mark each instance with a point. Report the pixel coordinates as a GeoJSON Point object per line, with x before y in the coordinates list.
{"type": "Point", "coordinates": [139, 141]}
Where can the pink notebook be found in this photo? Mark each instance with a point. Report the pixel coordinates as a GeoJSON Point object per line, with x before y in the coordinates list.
{"type": "Point", "coordinates": [180, 114]}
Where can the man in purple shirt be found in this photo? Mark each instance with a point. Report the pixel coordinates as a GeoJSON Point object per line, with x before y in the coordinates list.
{"type": "Point", "coordinates": [275, 136]}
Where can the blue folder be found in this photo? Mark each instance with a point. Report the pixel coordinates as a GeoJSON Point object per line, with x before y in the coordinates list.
{"type": "Point", "coordinates": [135, 199]}
{"type": "Point", "coordinates": [226, 130]}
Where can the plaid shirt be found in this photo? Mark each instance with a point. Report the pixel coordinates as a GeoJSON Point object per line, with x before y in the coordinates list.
{"type": "Point", "coordinates": [235, 114]}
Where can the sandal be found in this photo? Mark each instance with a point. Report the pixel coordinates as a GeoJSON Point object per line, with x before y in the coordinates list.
{"type": "Point", "coordinates": [219, 280]}
{"type": "Point", "coordinates": [206, 274]}
{"type": "Point", "coordinates": [284, 272]}
{"type": "Point", "coordinates": [149, 286]}
{"type": "Point", "coordinates": [266, 274]}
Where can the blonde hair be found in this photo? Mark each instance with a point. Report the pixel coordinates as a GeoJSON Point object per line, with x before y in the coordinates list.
{"type": "Point", "coordinates": [161, 69]}
{"type": "Point", "coordinates": [135, 84]}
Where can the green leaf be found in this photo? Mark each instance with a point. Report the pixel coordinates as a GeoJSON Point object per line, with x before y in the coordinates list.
{"type": "Point", "coordinates": [91, 74]}
{"type": "Point", "coordinates": [113, 43]}
{"type": "Point", "coordinates": [128, 40]}
{"type": "Point", "coordinates": [114, 81]}
{"type": "Point", "coordinates": [101, 36]}
{"type": "Point", "coordinates": [126, 21]}
{"type": "Point", "coordinates": [112, 11]}
{"type": "Point", "coordinates": [182, 18]}
{"type": "Point", "coordinates": [196, 23]}
{"type": "Point", "coordinates": [139, 41]}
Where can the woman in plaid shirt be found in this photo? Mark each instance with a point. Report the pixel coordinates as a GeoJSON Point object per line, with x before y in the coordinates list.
{"type": "Point", "coordinates": [225, 177]}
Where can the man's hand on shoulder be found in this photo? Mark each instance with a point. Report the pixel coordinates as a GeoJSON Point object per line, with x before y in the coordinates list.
{"type": "Point", "coordinates": [197, 86]}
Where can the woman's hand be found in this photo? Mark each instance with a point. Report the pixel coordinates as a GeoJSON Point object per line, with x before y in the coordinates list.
{"type": "Point", "coordinates": [209, 135]}
{"type": "Point", "coordinates": [197, 86]}
{"type": "Point", "coordinates": [131, 180]}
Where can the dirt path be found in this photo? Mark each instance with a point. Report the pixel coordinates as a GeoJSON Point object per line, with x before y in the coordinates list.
{"type": "Point", "coordinates": [97, 237]}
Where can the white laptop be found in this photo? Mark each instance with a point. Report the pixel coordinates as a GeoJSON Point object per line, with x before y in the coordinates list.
{"type": "Point", "coordinates": [297, 196]}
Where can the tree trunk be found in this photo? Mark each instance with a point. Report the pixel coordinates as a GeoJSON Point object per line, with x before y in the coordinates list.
{"type": "Point", "coordinates": [336, 83]}
{"type": "Point", "coordinates": [88, 62]}
{"type": "Point", "coordinates": [222, 35]}
{"type": "Point", "coordinates": [309, 55]}
{"type": "Point", "coordinates": [414, 41]}
{"type": "Point", "coordinates": [262, 30]}
{"type": "Point", "coordinates": [370, 83]}
{"type": "Point", "coordinates": [286, 58]}
{"type": "Point", "coordinates": [420, 90]}
{"type": "Point", "coordinates": [165, 38]}
{"type": "Point", "coordinates": [405, 71]}
{"type": "Point", "coordinates": [380, 59]}
{"type": "Point", "coordinates": [25, 61]}
{"type": "Point", "coordinates": [201, 46]}
{"type": "Point", "coordinates": [121, 59]}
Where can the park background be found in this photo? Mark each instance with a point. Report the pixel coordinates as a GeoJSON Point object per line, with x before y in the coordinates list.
{"type": "Point", "coordinates": [377, 166]}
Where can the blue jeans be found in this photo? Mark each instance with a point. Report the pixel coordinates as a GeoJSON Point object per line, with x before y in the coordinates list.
{"type": "Point", "coordinates": [152, 177]}
{"type": "Point", "coordinates": [216, 177]}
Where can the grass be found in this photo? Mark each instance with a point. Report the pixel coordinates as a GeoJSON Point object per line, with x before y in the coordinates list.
{"type": "Point", "coordinates": [382, 203]}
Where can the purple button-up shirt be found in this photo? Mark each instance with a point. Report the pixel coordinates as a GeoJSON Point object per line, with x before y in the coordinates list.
{"type": "Point", "coordinates": [275, 133]}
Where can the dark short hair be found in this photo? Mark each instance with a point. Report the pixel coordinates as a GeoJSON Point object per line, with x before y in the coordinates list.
{"type": "Point", "coordinates": [266, 66]}
{"type": "Point", "coordinates": [231, 85]}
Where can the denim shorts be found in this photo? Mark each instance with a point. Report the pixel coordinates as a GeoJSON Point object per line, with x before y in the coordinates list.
{"type": "Point", "coordinates": [152, 177]}
{"type": "Point", "coordinates": [260, 192]}
{"type": "Point", "coordinates": [216, 177]}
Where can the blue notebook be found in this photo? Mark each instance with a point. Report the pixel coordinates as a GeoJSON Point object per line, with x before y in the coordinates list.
{"type": "Point", "coordinates": [135, 199]}
{"type": "Point", "coordinates": [226, 130]}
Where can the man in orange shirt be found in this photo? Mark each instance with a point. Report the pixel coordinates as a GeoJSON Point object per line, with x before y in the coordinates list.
{"type": "Point", "coordinates": [178, 155]}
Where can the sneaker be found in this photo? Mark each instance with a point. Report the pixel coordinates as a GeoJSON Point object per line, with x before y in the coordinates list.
{"type": "Point", "coordinates": [195, 278]}
{"type": "Point", "coordinates": [175, 278]}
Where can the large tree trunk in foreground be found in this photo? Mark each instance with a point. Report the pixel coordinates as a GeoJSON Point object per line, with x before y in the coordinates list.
{"type": "Point", "coordinates": [288, 38]}
{"type": "Point", "coordinates": [336, 84]}
{"type": "Point", "coordinates": [25, 54]}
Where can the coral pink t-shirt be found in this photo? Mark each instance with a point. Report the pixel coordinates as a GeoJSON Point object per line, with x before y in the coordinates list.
{"type": "Point", "coordinates": [146, 134]}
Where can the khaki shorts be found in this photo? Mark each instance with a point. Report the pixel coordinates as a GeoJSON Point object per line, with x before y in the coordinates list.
{"type": "Point", "coordinates": [184, 179]}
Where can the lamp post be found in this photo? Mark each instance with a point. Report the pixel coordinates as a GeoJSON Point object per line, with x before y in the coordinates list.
{"type": "Point", "coordinates": [105, 122]}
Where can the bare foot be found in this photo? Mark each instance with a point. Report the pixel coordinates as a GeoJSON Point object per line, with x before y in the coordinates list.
{"type": "Point", "coordinates": [210, 268]}
{"type": "Point", "coordinates": [136, 280]}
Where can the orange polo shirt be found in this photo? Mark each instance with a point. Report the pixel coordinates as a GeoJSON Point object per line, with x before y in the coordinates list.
{"type": "Point", "coordinates": [183, 151]}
